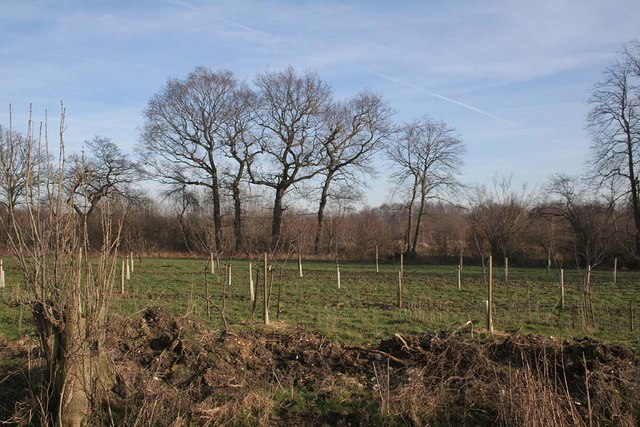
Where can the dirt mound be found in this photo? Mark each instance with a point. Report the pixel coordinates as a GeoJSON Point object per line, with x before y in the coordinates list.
{"type": "Point", "coordinates": [171, 371]}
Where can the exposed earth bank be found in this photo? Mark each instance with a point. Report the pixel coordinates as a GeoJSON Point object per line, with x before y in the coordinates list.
{"type": "Point", "coordinates": [169, 370]}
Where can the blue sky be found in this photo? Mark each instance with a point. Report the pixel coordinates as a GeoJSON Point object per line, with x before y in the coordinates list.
{"type": "Point", "coordinates": [512, 77]}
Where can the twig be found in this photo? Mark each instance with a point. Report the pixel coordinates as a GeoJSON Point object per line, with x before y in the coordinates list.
{"type": "Point", "coordinates": [224, 319]}
{"type": "Point", "coordinates": [380, 352]}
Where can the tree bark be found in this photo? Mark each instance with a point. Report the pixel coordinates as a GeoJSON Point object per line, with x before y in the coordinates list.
{"type": "Point", "coordinates": [416, 235]}
{"type": "Point", "coordinates": [278, 210]}
{"type": "Point", "coordinates": [237, 206]}
{"type": "Point", "coordinates": [412, 200]}
{"type": "Point", "coordinates": [217, 217]}
{"type": "Point", "coordinates": [634, 192]}
{"type": "Point", "coordinates": [68, 361]}
{"type": "Point", "coordinates": [324, 196]}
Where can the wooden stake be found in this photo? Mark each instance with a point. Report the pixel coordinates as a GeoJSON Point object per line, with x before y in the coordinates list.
{"type": "Point", "coordinates": [486, 307]}
{"type": "Point", "coordinates": [122, 278]}
{"type": "Point", "coordinates": [615, 270]}
{"type": "Point", "coordinates": [399, 296]}
{"type": "Point", "coordinates": [128, 269]}
{"type": "Point", "coordinates": [265, 307]}
{"type": "Point", "coordinates": [459, 278]}
{"type": "Point", "coordinates": [251, 295]}
{"type": "Point", "coordinates": [506, 269]}
{"type": "Point", "coordinates": [562, 288]}
{"type": "Point", "coordinates": [490, 297]}
{"type": "Point", "coordinates": [300, 275]}
{"type": "Point", "coordinates": [377, 266]}
{"type": "Point", "coordinates": [226, 281]}
{"type": "Point", "coordinates": [207, 297]}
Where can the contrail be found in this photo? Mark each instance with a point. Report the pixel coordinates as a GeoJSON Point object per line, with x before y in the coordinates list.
{"type": "Point", "coordinates": [189, 6]}
{"type": "Point", "coordinates": [183, 4]}
{"type": "Point", "coordinates": [248, 29]}
{"type": "Point", "coordinates": [437, 95]}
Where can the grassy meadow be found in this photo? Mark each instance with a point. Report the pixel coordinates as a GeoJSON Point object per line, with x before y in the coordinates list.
{"type": "Point", "coordinates": [363, 311]}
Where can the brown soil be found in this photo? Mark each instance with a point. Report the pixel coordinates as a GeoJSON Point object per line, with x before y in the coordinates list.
{"type": "Point", "coordinates": [170, 371]}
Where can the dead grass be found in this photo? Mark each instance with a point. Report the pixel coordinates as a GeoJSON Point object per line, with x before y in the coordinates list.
{"type": "Point", "coordinates": [171, 371]}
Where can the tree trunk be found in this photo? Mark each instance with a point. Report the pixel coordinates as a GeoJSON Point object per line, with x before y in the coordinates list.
{"type": "Point", "coordinates": [324, 196]}
{"type": "Point", "coordinates": [416, 235]}
{"type": "Point", "coordinates": [217, 217]}
{"type": "Point", "coordinates": [237, 206]}
{"type": "Point", "coordinates": [412, 200]}
{"type": "Point", "coordinates": [278, 210]}
{"type": "Point", "coordinates": [74, 387]}
{"type": "Point", "coordinates": [68, 365]}
{"type": "Point", "coordinates": [634, 193]}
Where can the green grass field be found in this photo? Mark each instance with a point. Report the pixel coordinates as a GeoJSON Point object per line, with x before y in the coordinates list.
{"type": "Point", "coordinates": [363, 311]}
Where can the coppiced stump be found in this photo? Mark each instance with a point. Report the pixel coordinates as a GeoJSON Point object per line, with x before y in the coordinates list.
{"type": "Point", "coordinates": [69, 297]}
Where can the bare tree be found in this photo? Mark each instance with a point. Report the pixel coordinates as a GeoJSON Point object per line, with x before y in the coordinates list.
{"type": "Point", "coordinates": [426, 157]}
{"type": "Point", "coordinates": [182, 135]}
{"type": "Point", "coordinates": [100, 172]}
{"type": "Point", "coordinates": [13, 166]}
{"type": "Point", "coordinates": [358, 128]}
{"type": "Point", "coordinates": [67, 291]}
{"type": "Point", "coordinates": [590, 220]}
{"type": "Point", "coordinates": [242, 147]}
{"type": "Point", "coordinates": [291, 115]}
{"type": "Point", "coordinates": [183, 200]}
{"type": "Point", "coordinates": [614, 125]}
{"type": "Point", "coordinates": [500, 218]}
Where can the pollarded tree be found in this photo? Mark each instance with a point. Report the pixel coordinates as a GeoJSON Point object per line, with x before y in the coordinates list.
{"type": "Point", "coordinates": [426, 156]}
{"type": "Point", "coordinates": [614, 125]}
{"type": "Point", "coordinates": [66, 286]}
{"type": "Point", "coordinates": [182, 138]}
{"type": "Point", "coordinates": [357, 128]}
{"type": "Point", "coordinates": [290, 114]}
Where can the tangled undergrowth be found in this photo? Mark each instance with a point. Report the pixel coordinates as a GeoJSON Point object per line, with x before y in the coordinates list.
{"type": "Point", "coordinates": [170, 371]}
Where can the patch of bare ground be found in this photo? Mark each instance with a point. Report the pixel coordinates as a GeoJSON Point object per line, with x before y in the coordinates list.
{"type": "Point", "coordinates": [171, 371]}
